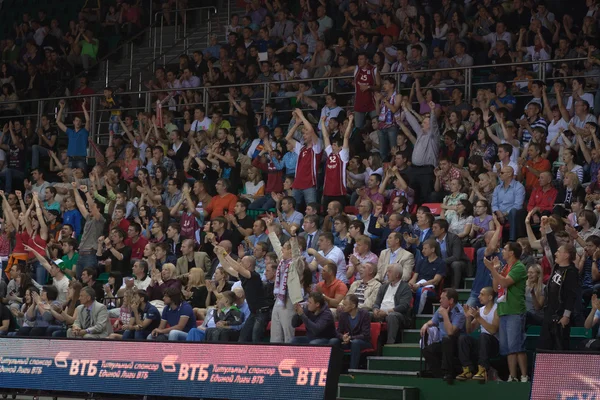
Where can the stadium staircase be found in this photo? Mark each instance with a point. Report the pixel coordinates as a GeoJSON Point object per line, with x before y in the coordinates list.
{"type": "Point", "coordinates": [395, 374]}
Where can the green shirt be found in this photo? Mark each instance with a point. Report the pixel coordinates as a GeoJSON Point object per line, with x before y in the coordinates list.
{"type": "Point", "coordinates": [89, 49]}
{"type": "Point", "coordinates": [69, 263]}
{"type": "Point", "coordinates": [515, 299]}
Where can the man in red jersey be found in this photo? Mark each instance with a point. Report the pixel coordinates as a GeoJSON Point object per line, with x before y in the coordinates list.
{"type": "Point", "coordinates": [309, 157]}
{"type": "Point", "coordinates": [366, 82]}
{"type": "Point", "coordinates": [338, 156]}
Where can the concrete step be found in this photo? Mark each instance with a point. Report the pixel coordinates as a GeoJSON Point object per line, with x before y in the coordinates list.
{"type": "Point", "coordinates": [422, 319]}
{"type": "Point", "coordinates": [469, 283]}
{"type": "Point", "coordinates": [377, 392]}
{"type": "Point", "coordinates": [402, 350]}
{"type": "Point", "coordinates": [383, 372]}
{"type": "Point", "coordinates": [409, 364]}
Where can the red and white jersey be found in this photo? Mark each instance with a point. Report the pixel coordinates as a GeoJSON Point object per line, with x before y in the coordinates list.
{"type": "Point", "coordinates": [364, 101]}
{"type": "Point", "coordinates": [335, 172]}
{"type": "Point", "coordinates": [306, 167]}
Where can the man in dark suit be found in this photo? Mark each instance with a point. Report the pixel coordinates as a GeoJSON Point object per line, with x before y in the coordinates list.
{"type": "Point", "coordinates": [393, 224]}
{"type": "Point", "coordinates": [452, 250]}
{"type": "Point", "coordinates": [311, 231]}
{"type": "Point", "coordinates": [393, 303]}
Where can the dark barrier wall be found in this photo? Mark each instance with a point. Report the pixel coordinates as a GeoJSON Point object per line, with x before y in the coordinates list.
{"type": "Point", "coordinates": [179, 369]}
{"type": "Point", "coordinates": [563, 376]}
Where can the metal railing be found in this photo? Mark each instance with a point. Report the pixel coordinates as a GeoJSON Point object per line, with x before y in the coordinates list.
{"type": "Point", "coordinates": [38, 107]}
{"type": "Point", "coordinates": [158, 47]}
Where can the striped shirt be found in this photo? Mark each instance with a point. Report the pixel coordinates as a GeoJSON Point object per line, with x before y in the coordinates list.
{"type": "Point", "coordinates": [539, 122]}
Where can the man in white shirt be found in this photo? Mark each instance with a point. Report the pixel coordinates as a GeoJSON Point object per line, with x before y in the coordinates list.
{"type": "Point", "coordinates": [461, 59]}
{"type": "Point", "coordinates": [393, 303]}
{"type": "Point", "coordinates": [201, 121]}
{"type": "Point", "coordinates": [578, 84]}
{"type": "Point", "coordinates": [329, 252]}
{"type": "Point", "coordinates": [504, 154]}
{"type": "Point", "coordinates": [141, 280]}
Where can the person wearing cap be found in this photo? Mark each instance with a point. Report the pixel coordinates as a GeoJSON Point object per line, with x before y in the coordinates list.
{"type": "Point", "coordinates": [59, 280]}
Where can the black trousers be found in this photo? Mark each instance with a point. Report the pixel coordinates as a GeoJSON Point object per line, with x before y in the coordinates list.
{"type": "Point", "coordinates": [440, 356]}
{"type": "Point", "coordinates": [482, 349]}
{"type": "Point", "coordinates": [553, 336]}
{"type": "Point", "coordinates": [422, 181]}
{"type": "Point", "coordinates": [222, 335]}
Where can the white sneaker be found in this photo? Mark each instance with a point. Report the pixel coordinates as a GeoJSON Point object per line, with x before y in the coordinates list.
{"type": "Point", "coordinates": [512, 379]}
{"type": "Point", "coordinates": [524, 378]}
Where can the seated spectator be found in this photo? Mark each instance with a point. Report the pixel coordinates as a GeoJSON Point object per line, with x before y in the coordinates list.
{"type": "Point", "coordinates": [39, 313]}
{"type": "Point", "coordinates": [462, 224]}
{"type": "Point", "coordinates": [178, 314]}
{"type": "Point", "coordinates": [332, 289]}
{"type": "Point", "coordinates": [449, 319]}
{"type": "Point", "coordinates": [7, 321]}
{"type": "Point", "coordinates": [163, 280]}
{"type": "Point", "coordinates": [191, 259]}
{"type": "Point", "coordinates": [230, 317]}
{"type": "Point", "coordinates": [429, 274]}
{"type": "Point", "coordinates": [486, 346]}
{"type": "Point", "coordinates": [329, 253]}
{"type": "Point", "coordinates": [543, 195]}
{"type": "Point", "coordinates": [365, 288]}
{"type": "Point", "coordinates": [393, 303]}
{"type": "Point", "coordinates": [452, 200]}
{"type": "Point", "coordinates": [318, 320]}
{"type": "Point", "coordinates": [452, 251]}
{"type": "Point", "coordinates": [395, 255]}
{"type": "Point", "coordinates": [444, 175]}
{"type": "Point", "coordinates": [353, 330]}
{"type": "Point", "coordinates": [362, 255]}
{"type": "Point", "coordinates": [145, 318]}
{"type": "Point", "coordinates": [92, 320]}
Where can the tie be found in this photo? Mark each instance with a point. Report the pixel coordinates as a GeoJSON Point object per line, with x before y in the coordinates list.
{"type": "Point", "coordinates": [309, 241]}
{"type": "Point", "coordinates": [88, 319]}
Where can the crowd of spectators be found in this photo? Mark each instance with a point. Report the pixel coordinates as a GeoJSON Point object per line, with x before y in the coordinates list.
{"type": "Point", "coordinates": [41, 56]}
{"type": "Point", "coordinates": [357, 209]}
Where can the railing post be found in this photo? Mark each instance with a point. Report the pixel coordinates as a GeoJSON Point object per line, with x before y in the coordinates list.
{"type": "Point", "coordinates": [205, 97]}
{"type": "Point", "coordinates": [162, 19]}
{"type": "Point", "coordinates": [266, 94]}
{"type": "Point", "coordinates": [131, 45]}
{"type": "Point", "coordinates": [40, 111]}
{"type": "Point", "coordinates": [468, 82]}
{"type": "Point", "coordinates": [106, 76]}
{"type": "Point", "coordinates": [139, 86]}
{"type": "Point", "coordinates": [93, 114]}
{"type": "Point", "coordinates": [151, 28]}
{"type": "Point", "coordinates": [147, 101]}
{"type": "Point", "coordinates": [185, 42]}
{"type": "Point", "coordinates": [542, 70]}
{"type": "Point", "coordinates": [154, 48]}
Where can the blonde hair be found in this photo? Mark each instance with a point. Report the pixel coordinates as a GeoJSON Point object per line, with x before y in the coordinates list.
{"type": "Point", "coordinates": [257, 174]}
{"type": "Point", "coordinates": [363, 239]}
{"type": "Point", "coordinates": [574, 178]}
{"type": "Point", "coordinates": [538, 286]}
{"type": "Point", "coordinates": [196, 277]}
{"type": "Point", "coordinates": [171, 268]}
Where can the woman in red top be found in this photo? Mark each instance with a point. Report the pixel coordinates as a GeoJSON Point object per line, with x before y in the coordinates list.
{"type": "Point", "coordinates": [130, 164]}
{"type": "Point", "coordinates": [38, 237]}
{"type": "Point", "coordinates": [17, 225]}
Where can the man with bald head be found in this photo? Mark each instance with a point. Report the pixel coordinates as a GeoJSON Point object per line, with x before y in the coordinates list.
{"type": "Point", "coordinates": [227, 245]}
{"type": "Point", "coordinates": [365, 288]}
{"type": "Point", "coordinates": [543, 195]}
{"type": "Point", "coordinates": [259, 309]}
{"type": "Point", "coordinates": [507, 202]}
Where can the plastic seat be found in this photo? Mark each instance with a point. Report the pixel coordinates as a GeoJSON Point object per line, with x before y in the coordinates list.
{"type": "Point", "coordinates": [436, 208]}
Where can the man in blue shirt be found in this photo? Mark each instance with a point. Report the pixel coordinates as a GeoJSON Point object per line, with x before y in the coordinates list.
{"type": "Point", "coordinates": [450, 321]}
{"type": "Point", "coordinates": [78, 136]}
{"type": "Point", "coordinates": [507, 202]}
{"type": "Point", "coordinates": [178, 314]}
{"type": "Point", "coordinates": [144, 317]}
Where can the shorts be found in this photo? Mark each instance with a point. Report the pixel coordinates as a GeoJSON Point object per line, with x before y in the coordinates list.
{"type": "Point", "coordinates": [512, 334]}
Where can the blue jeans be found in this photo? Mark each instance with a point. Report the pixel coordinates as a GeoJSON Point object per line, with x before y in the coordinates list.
{"type": "Point", "coordinates": [196, 335]}
{"type": "Point", "coordinates": [387, 140]}
{"type": "Point", "coordinates": [41, 275]}
{"type": "Point", "coordinates": [136, 335]}
{"type": "Point", "coordinates": [307, 195]}
{"type": "Point", "coordinates": [114, 124]}
{"type": "Point", "coordinates": [355, 346]}
{"type": "Point", "coordinates": [360, 117]}
{"type": "Point", "coordinates": [9, 174]}
{"type": "Point", "coordinates": [473, 301]}
{"type": "Point", "coordinates": [55, 331]}
{"type": "Point", "coordinates": [305, 340]}
{"type": "Point", "coordinates": [516, 219]}
{"type": "Point", "coordinates": [264, 203]}
{"type": "Point", "coordinates": [172, 336]}
{"type": "Point", "coordinates": [512, 334]}
{"type": "Point", "coordinates": [84, 261]}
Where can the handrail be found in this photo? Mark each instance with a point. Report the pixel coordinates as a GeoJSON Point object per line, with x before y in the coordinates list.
{"type": "Point", "coordinates": [105, 58]}
{"type": "Point", "coordinates": [299, 80]}
{"type": "Point", "coordinates": [185, 35]}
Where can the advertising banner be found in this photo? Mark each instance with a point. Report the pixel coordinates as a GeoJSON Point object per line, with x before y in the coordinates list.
{"type": "Point", "coordinates": [562, 376]}
{"type": "Point", "coordinates": [178, 369]}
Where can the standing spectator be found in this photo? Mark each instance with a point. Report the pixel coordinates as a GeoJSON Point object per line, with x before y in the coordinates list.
{"type": "Point", "coordinates": [366, 82]}
{"type": "Point", "coordinates": [507, 202]}
{"type": "Point", "coordinates": [93, 228]}
{"type": "Point", "coordinates": [78, 136]}
{"type": "Point", "coordinates": [509, 282]}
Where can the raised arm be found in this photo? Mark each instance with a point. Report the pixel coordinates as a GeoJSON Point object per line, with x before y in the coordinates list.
{"type": "Point", "coordinates": [59, 123]}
